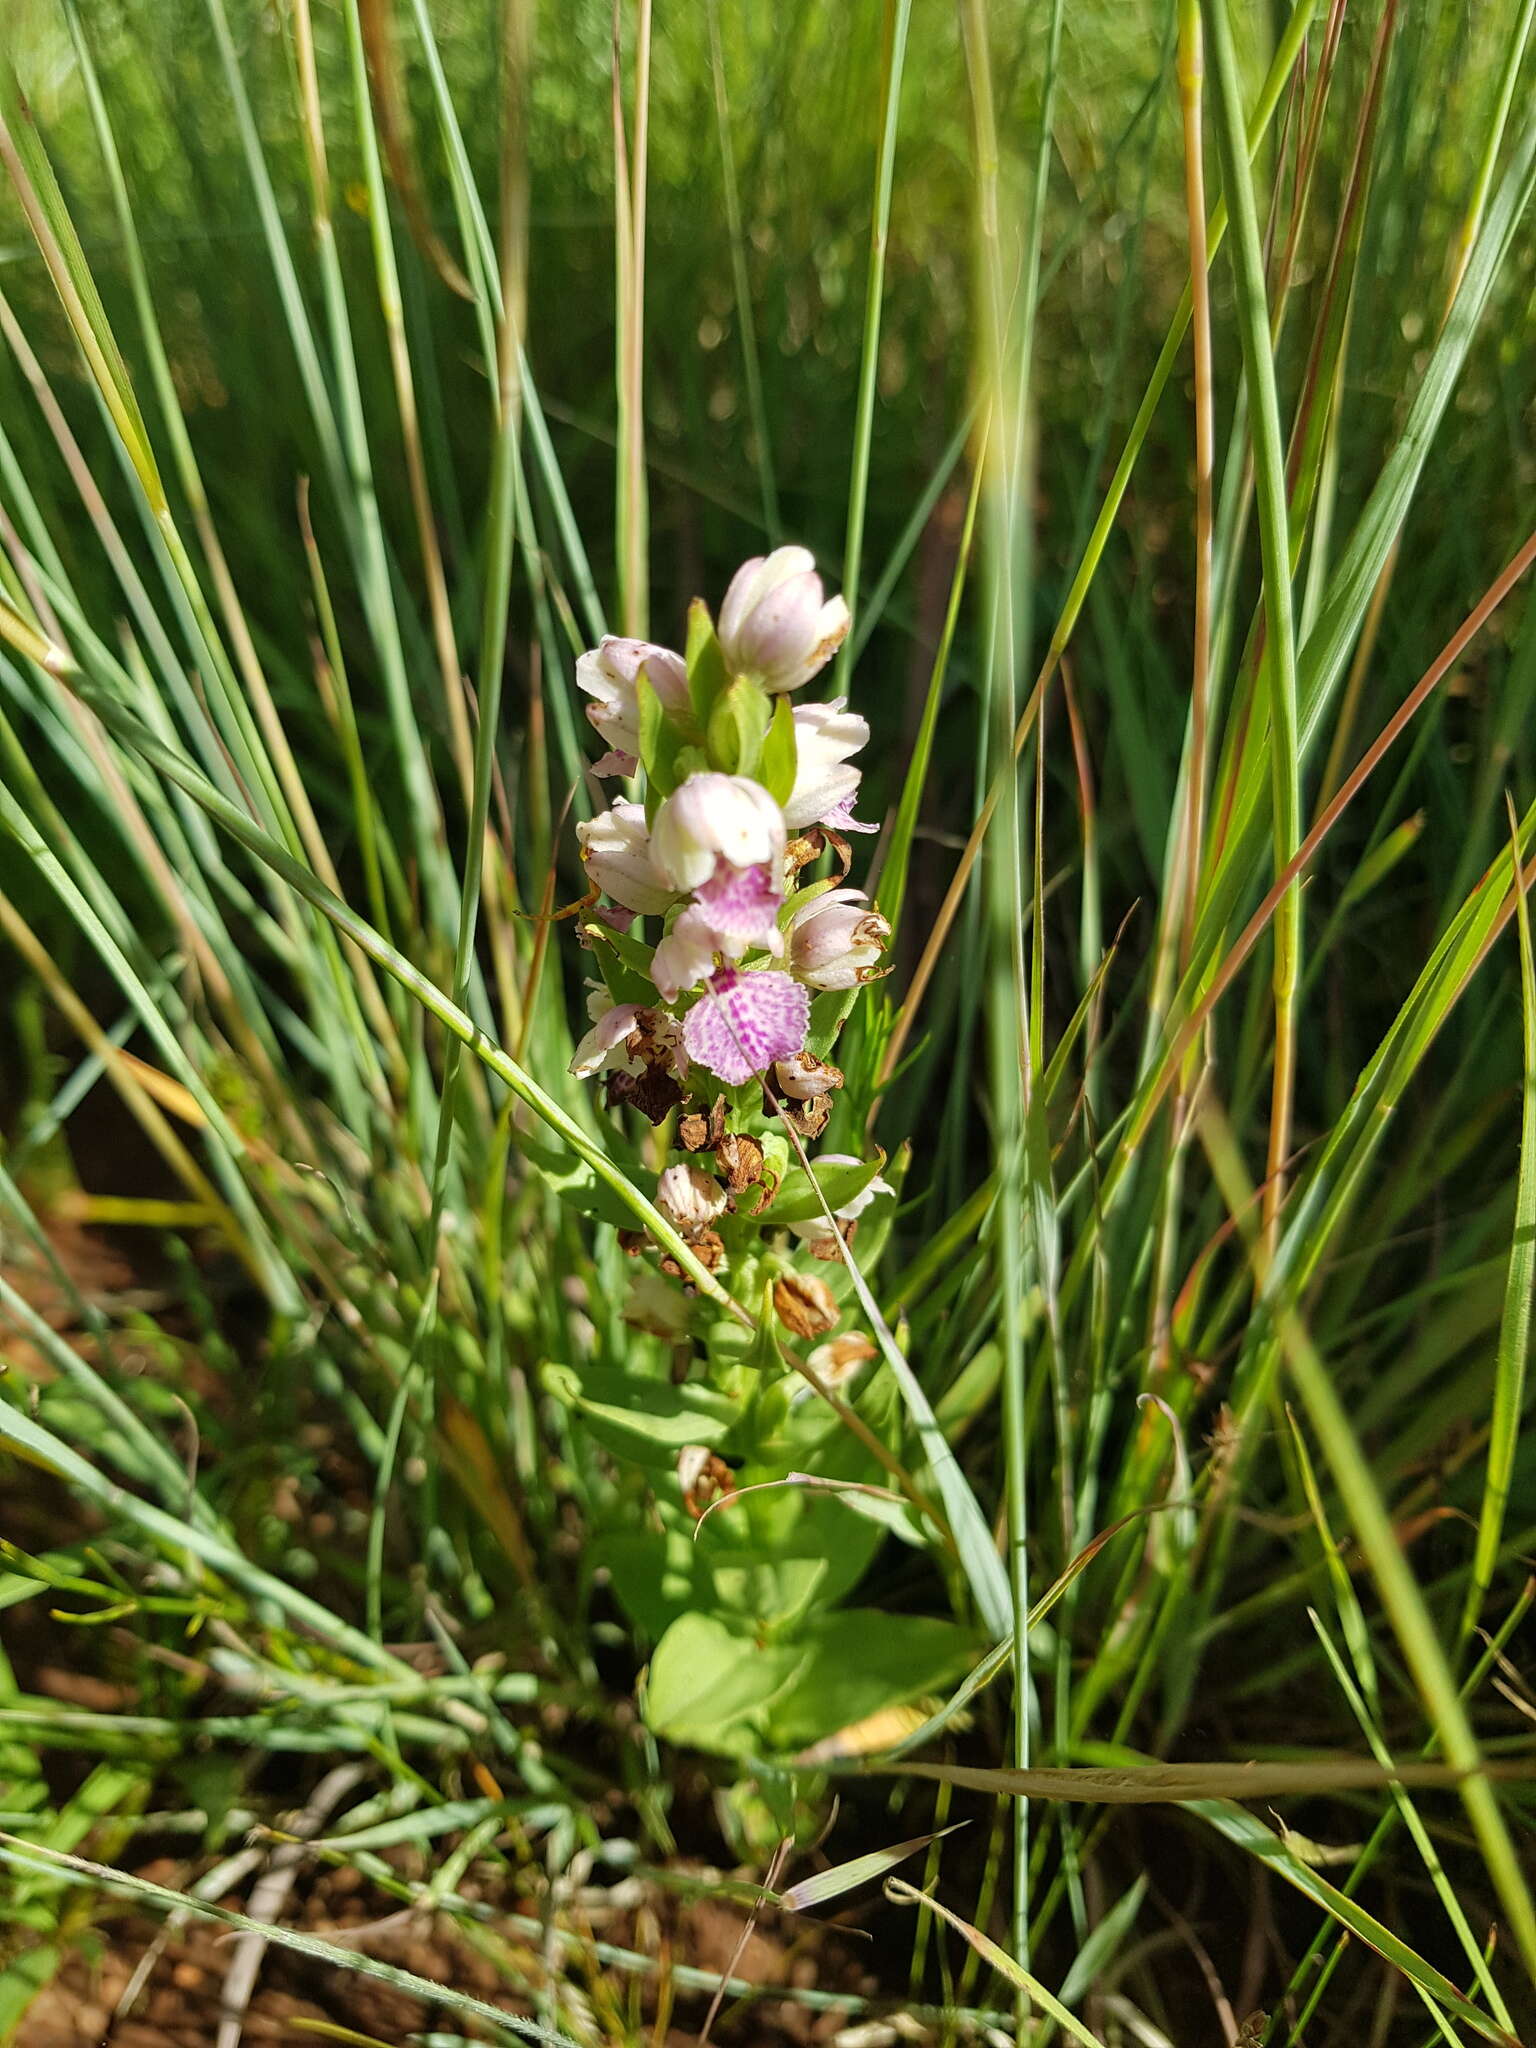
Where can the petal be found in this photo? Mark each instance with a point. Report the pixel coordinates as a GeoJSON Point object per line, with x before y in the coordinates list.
{"type": "Point", "coordinates": [744, 1022]}
{"type": "Point", "coordinates": [825, 799]}
{"type": "Point", "coordinates": [840, 817]}
{"type": "Point", "coordinates": [685, 956]}
{"type": "Point", "coordinates": [610, 1030]}
{"type": "Point", "coordinates": [741, 906]}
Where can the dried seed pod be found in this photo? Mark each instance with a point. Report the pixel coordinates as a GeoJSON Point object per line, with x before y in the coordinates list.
{"type": "Point", "coordinates": [829, 1247]}
{"type": "Point", "coordinates": [708, 1248]}
{"type": "Point", "coordinates": [804, 1304]}
{"type": "Point", "coordinates": [837, 1361]}
{"type": "Point", "coordinates": [740, 1159]}
{"type": "Point", "coordinates": [703, 1477]}
{"type": "Point", "coordinates": [811, 1118]}
{"type": "Point", "coordinates": [805, 1077]}
{"type": "Point", "coordinates": [653, 1091]}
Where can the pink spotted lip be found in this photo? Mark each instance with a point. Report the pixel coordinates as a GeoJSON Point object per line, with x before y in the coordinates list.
{"type": "Point", "coordinates": [743, 1022]}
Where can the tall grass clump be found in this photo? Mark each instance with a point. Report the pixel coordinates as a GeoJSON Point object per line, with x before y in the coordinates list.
{"type": "Point", "coordinates": [651, 1335]}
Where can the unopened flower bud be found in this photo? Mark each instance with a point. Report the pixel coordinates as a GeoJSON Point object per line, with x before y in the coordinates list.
{"type": "Point", "coordinates": [804, 1305]}
{"type": "Point", "coordinates": [836, 940]}
{"type": "Point", "coordinates": [605, 1045]}
{"type": "Point", "coordinates": [855, 1204]}
{"type": "Point", "coordinates": [689, 1198]}
{"type": "Point", "coordinates": [712, 817]}
{"type": "Point", "coordinates": [776, 624]}
{"type": "Point", "coordinates": [620, 858]}
{"type": "Point", "coordinates": [813, 1229]}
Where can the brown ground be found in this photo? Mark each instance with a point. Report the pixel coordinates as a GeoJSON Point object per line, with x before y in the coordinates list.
{"type": "Point", "coordinates": [297, 1999]}
{"type": "Point", "coordinates": [299, 2002]}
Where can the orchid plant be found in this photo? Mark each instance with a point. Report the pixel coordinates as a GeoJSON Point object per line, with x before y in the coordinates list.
{"type": "Point", "coordinates": [730, 949]}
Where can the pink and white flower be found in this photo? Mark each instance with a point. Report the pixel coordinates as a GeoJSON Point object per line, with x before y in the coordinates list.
{"type": "Point", "coordinates": [687, 956]}
{"type": "Point", "coordinates": [825, 736]}
{"type": "Point", "coordinates": [610, 674]}
{"type": "Point", "coordinates": [744, 1021]}
{"type": "Point", "coordinates": [627, 1038]}
{"type": "Point", "coordinates": [605, 1044]}
{"type": "Point", "coordinates": [836, 940]}
{"type": "Point", "coordinates": [712, 817]}
{"type": "Point", "coordinates": [776, 625]}
{"type": "Point", "coordinates": [841, 819]}
{"type": "Point", "coordinates": [742, 908]}
{"type": "Point", "coordinates": [620, 858]}
{"type": "Point", "coordinates": [736, 911]}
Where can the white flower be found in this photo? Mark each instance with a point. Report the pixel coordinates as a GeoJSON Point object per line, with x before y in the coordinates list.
{"type": "Point", "coordinates": [814, 1228]}
{"type": "Point", "coordinates": [714, 817]}
{"type": "Point", "coordinates": [629, 1039]}
{"type": "Point", "coordinates": [825, 736]}
{"type": "Point", "coordinates": [604, 1045]}
{"type": "Point", "coordinates": [610, 675]}
{"type": "Point", "coordinates": [835, 940]}
{"type": "Point", "coordinates": [775, 624]}
{"type": "Point", "coordinates": [620, 858]}
{"type": "Point", "coordinates": [689, 1198]}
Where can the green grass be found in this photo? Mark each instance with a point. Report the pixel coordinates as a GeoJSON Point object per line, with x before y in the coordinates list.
{"type": "Point", "coordinates": [347, 391]}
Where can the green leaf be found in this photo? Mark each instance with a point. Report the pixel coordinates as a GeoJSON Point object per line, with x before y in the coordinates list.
{"type": "Point", "coordinates": [625, 963]}
{"type": "Point", "coordinates": [647, 1420]}
{"type": "Point", "coordinates": [707, 676]}
{"type": "Point", "coordinates": [712, 1687]}
{"type": "Point", "coordinates": [829, 1013]}
{"type": "Point", "coordinates": [736, 727]}
{"type": "Point", "coordinates": [826, 1885]}
{"type": "Point", "coordinates": [1520, 1280]}
{"type": "Point", "coordinates": [660, 739]}
{"type": "Point", "coordinates": [798, 1202]}
{"type": "Point", "coordinates": [781, 752]}
{"type": "Point", "coordinates": [1013, 1972]}
{"type": "Point", "coordinates": [860, 1661]}
{"type": "Point", "coordinates": [575, 1182]}
{"type": "Point", "coordinates": [727, 1689]}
